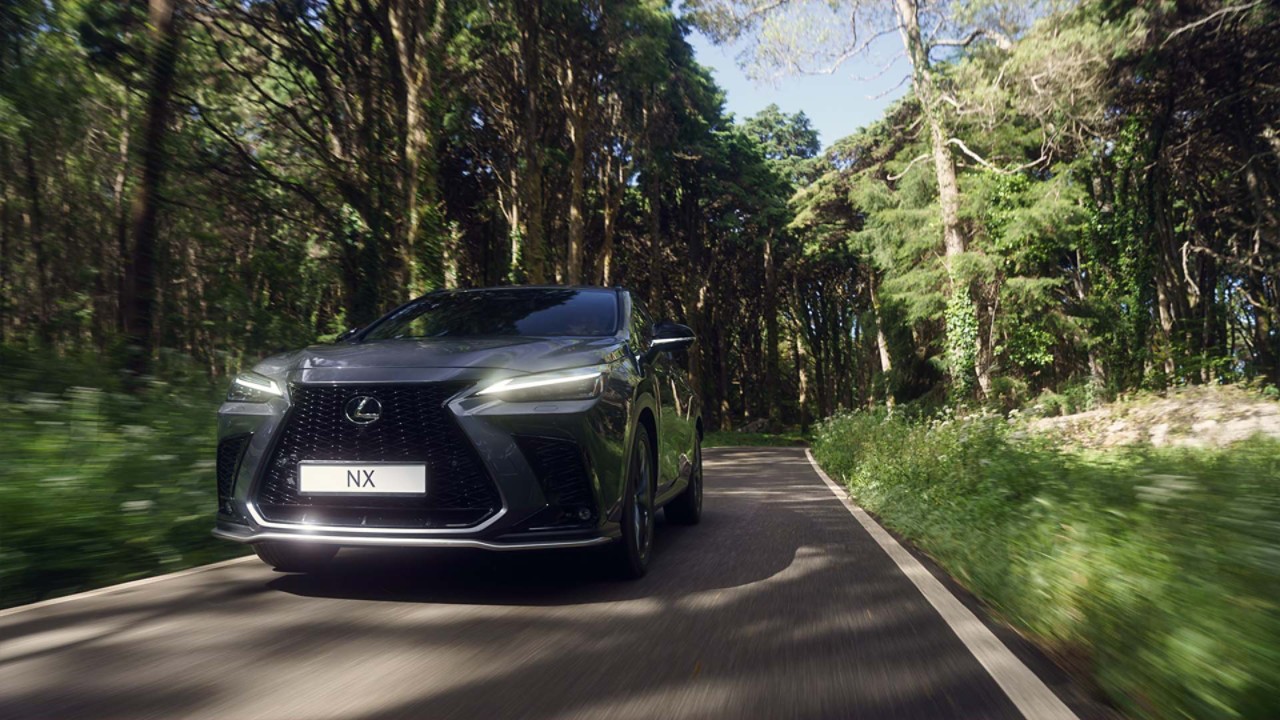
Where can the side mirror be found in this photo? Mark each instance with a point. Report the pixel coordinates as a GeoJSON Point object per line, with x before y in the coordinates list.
{"type": "Point", "coordinates": [669, 337]}
{"type": "Point", "coordinates": [347, 335]}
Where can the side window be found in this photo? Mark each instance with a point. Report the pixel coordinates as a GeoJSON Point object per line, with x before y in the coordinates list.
{"type": "Point", "coordinates": [641, 325]}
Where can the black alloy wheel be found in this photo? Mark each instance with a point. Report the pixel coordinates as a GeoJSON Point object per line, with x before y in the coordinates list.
{"type": "Point", "coordinates": [631, 553]}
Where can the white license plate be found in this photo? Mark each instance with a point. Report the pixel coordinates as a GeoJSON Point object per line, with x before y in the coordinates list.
{"type": "Point", "coordinates": [362, 479]}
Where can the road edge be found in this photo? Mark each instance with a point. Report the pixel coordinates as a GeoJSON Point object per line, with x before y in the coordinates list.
{"type": "Point", "coordinates": [1025, 689]}
{"type": "Point", "coordinates": [6, 612]}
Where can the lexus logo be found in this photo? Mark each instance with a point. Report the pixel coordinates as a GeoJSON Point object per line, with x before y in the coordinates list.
{"type": "Point", "coordinates": [364, 410]}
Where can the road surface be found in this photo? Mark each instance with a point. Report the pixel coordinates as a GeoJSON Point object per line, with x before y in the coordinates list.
{"type": "Point", "coordinates": [779, 605]}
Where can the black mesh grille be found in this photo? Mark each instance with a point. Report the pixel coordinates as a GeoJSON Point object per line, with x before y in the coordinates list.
{"type": "Point", "coordinates": [414, 426]}
{"type": "Point", "coordinates": [562, 474]}
{"type": "Point", "coordinates": [230, 450]}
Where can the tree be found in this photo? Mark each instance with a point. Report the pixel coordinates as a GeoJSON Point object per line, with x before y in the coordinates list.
{"type": "Point", "coordinates": [139, 278]}
{"type": "Point", "coordinates": [785, 35]}
{"type": "Point", "coordinates": [788, 143]}
{"type": "Point", "coordinates": [361, 91]}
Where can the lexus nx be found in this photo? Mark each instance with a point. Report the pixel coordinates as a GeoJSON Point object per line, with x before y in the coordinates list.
{"type": "Point", "coordinates": [509, 418]}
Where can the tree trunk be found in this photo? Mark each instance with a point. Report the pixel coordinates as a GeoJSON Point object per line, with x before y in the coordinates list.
{"type": "Point", "coordinates": [944, 166]}
{"type": "Point", "coordinates": [882, 343]}
{"type": "Point", "coordinates": [113, 245]}
{"type": "Point", "coordinates": [611, 191]}
{"type": "Point", "coordinates": [397, 275]}
{"type": "Point", "coordinates": [530, 259]}
{"type": "Point", "coordinates": [416, 30]}
{"type": "Point", "coordinates": [612, 186]}
{"type": "Point", "coordinates": [770, 310]}
{"type": "Point", "coordinates": [7, 306]}
{"type": "Point", "coordinates": [511, 212]}
{"type": "Point", "coordinates": [802, 381]}
{"type": "Point", "coordinates": [140, 280]}
{"type": "Point", "coordinates": [653, 193]}
{"type": "Point", "coordinates": [578, 136]}
{"type": "Point", "coordinates": [722, 367]}
{"type": "Point", "coordinates": [35, 234]}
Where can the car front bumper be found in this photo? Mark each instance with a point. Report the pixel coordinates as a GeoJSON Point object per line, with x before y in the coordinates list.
{"type": "Point", "coordinates": [494, 429]}
{"type": "Point", "coordinates": [247, 534]}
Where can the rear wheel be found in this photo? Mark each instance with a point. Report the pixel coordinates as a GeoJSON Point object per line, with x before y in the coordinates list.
{"type": "Point", "coordinates": [630, 556]}
{"type": "Point", "coordinates": [290, 557]}
{"type": "Point", "coordinates": [686, 509]}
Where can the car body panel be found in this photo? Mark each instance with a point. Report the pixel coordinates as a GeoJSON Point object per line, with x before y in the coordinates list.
{"type": "Point", "coordinates": [602, 428]}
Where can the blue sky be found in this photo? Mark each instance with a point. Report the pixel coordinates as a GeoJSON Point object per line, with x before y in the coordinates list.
{"type": "Point", "coordinates": [837, 104]}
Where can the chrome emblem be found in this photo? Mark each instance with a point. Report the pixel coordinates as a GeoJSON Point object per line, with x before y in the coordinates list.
{"type": "Point", "coordinates": [364, 410]}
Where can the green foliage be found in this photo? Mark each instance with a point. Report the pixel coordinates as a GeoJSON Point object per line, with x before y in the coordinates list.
{"type": "Point", "coordinates": [789, 142]}
{"type": "Point", "coordinates": [101, 486]}
{"type": "Point", "coordinates": [962, 338]}
{"type": "Point", "coordinates": [1154, 571]}
{"type": "Point", "coordinates": [1070, 399]}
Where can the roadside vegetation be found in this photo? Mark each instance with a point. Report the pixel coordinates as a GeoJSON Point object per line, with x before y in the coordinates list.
{"type": "Point", "coordinates": [101, 486]}
{"type": "Point", "coordinates": [1152, 570]}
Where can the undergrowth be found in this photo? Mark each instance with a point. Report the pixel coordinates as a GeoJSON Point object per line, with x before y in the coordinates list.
{"type": "Point", "coordinates": [99, 485]}
{"type": "Point", "coordinates": [1155, 572]}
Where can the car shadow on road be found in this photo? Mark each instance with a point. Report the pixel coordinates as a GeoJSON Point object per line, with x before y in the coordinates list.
{"type": "Point", "coordinates": [534, 578]}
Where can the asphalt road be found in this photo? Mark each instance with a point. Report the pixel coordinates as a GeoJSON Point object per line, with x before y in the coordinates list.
{"type": "Point", "coordinates": [778, 605]}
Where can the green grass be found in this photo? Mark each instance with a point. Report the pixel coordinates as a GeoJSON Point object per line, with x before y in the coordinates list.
{"type": "Point", "coordinates": [101, 486]}
{"type": "Point", "coordinates": [1155, 572]}
{"type": "Point", "coordinates": [729, 438]}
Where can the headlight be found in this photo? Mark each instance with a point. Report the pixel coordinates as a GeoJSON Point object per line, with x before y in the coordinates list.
{"type": "Point", "coordinates": [252, 387]}
{"type": "Point", "coordinates": [579, 384]}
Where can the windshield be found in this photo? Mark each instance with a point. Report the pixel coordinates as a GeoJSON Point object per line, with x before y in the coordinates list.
{"type": "Point", "coordinates": [537, 312]}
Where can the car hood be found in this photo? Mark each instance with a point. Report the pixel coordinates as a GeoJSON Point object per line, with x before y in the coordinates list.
{"type": "Point", "coordinates": [518, 354]}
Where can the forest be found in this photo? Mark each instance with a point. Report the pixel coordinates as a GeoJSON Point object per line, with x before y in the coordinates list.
{"type": "Point", "coordinates": [1073, 204]}
{"type": "Point", "coordinates": [1080, 196]}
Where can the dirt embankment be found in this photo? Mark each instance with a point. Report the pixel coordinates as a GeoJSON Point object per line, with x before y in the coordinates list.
{"type": "Point", "coordinates": [1190, 417]}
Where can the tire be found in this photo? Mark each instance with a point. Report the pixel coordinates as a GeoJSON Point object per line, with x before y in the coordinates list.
{"type": "Point", "coordinates": [686, 509]}
{"type": "Point", "coordinates": [629, 557]}
{"type": "Point", "coordinates": [290, 557]}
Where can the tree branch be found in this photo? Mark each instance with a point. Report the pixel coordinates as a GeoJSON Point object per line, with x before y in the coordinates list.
{"type": "Point", "coordinates": [958, 42]}
{"type": "Point", "coordinates": [983, 162]}
{"type": "Point", "coordinates": [907, 169]}
{"type": "Point", "coordinates": [850, 52]}
{"type": "Point", "coordinates": [896, 85]}
{"type": "Point", "coordinates": [1210, 18]}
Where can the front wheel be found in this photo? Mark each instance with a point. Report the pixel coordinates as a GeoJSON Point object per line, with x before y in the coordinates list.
{"type": "Point", "coordinates": [291, 557]}
{"type": "Point", "coordinates": [686, 509]}
{"type": "Point", "coordinates": [630, 555]}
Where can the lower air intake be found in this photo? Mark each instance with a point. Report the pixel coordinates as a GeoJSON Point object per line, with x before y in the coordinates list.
{"type": "Point", "coordinates": [230, 451]}
{"type": "Point", "coordinates": [563, 476]}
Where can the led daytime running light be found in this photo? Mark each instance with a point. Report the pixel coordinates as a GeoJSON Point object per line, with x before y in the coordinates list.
{"type": "Point", "coordinates": [265, 385]}
{"type": "Point", "coordinates": [511, 384]}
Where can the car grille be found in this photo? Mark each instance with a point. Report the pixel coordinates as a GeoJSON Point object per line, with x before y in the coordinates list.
{"type": "Point", "coordinates": [230, 450]}
{"type": "Point", "coordinates": [563, 476]}
{"type": "Point", "coordinates": [415, 426]}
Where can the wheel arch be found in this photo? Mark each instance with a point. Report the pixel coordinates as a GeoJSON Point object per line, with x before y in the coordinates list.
{"type": "Point", "coordinates": [648, 421]}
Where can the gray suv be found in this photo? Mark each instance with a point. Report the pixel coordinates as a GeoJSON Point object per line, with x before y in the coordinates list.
{"type": "Point", "coordinates": [507, 418]}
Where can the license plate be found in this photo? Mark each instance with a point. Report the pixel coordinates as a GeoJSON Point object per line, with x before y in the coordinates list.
{"type": "Point", "coordinates": [362, 479]}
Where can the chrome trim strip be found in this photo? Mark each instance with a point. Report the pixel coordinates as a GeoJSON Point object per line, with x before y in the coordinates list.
{"type": "Point", "coordinates": [252, 506]}
{"type": "Point", "coordinates": [251, 501]}
{"type": "Point", "coordinates": [350, 541]}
